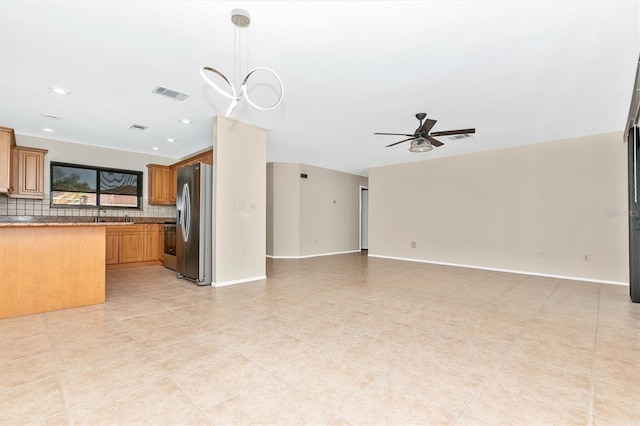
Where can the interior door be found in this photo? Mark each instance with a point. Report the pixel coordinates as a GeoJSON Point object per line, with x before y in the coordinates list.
{"type": "Point", "coordinates": [364, 218]}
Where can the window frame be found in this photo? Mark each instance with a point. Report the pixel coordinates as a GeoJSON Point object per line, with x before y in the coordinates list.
{"type": "Point", "coordinates": [97, 170]}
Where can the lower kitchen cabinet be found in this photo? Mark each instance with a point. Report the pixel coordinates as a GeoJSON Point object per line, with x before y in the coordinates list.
{"type": "Point", "coordinates": [111, 252]}
{"type": "Point", "coordinates": [132, 245]}
{"type": "Point", "coordinates": [151, 245]}
{"type": "Point", "coordinates": [161, 243]}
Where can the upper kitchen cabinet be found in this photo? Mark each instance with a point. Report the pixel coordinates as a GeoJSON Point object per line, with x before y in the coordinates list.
{"type": "Point", "coordinates": [205, 157]}
{"type": "Point", "coordinates": [28, 173]}
{"type": "Point", "coordinates": [160, 185]}
{"type": "Point", "coordinates": [21, 168]}
{"type": "Point", "coordinates": [7, 143]}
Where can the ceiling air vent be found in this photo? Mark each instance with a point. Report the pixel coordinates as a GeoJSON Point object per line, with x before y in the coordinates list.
{"type": "Point", "coordinates": [138, 127]}
{"type": "Point", "coordinates": [462, 136]}
{"type": "Point", "coordinates": [170, 93]}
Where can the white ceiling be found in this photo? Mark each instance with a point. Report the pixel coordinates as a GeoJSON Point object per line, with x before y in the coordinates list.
{"type": "Point", "coordinates": [520, 72]}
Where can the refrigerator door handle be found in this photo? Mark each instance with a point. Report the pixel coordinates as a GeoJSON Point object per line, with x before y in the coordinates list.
{"type": "Point", "coordinates": [185, 217]}
{"type": "Point", "coordinates": [179, 210]}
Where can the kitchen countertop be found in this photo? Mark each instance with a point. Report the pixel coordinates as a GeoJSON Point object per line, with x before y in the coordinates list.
{"type": "Point", "coordinates": [58, 224]}
{"type": "Point", "coordinates": [78, 220]}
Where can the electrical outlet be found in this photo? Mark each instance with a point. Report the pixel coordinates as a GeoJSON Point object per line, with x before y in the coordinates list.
{"type": "Point", "coordinates": [586, 258]}
{"type": "Point", "coordinates": [413, 244]}
{"type": "Point", "coordinates": [540, 253]}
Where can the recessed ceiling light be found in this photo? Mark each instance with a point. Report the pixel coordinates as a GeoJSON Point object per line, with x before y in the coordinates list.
{"type": "Point", "coordinates": [171, 140]}
{"type": "Point", "coordinates": [53, 117]}
{"type": "Point", "coordinates": [59, 90]}
{"type": "Point", "coordinates": [46, 129]}
{"type": "Point", "coordinates": [155, 148]}
{"type": "Point", "coordinates": [185, 121]}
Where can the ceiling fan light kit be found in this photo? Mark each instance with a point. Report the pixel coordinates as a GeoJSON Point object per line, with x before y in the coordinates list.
{"type": "Point", "coordinates": [420, 145]}
{"type": "Point", "coordinates": [241, 19]}
{"type": "Point", "coordinates": [422, 140]}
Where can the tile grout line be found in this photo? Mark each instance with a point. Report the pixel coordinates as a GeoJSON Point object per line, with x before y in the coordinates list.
{"type": "Point", "coordinates": [167, 373]}
{"type": "Point", "coordinates": [503, 360]}
{"type": "Point", "coordinates": [592, 377]}
{"type": "Point", "coordinates": [58, 374]}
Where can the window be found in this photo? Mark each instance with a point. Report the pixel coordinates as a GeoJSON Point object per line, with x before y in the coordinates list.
{"type": "Point", "coordinates": [75, 185]}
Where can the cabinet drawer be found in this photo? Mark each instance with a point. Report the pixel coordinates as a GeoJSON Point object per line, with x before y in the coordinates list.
{"type": "Point", "coordinates": [124, 228]}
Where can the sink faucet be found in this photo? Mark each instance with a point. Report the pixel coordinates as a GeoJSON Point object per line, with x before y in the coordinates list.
{"type": "Point", "coordinates": [98, 217]}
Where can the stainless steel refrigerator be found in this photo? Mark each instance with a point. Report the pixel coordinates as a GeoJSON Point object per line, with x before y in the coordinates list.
{"type": "Point", "coordinates": [194, 256]}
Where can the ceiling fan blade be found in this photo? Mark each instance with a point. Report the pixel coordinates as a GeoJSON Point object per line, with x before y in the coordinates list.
{"type": "Point", "coordinates": [410, 139]}
{"type": "Point", "coordinates": [453, 132]}
{"type": "Point", "coordinates": [393, 134]}
{"type": "Point", "coordinates": [434, 142]}
{"type": "Point", "coordinates": [428, 125]}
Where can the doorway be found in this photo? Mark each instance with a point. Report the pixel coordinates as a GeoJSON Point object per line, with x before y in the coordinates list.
{"type": "Point", "coordinates": [364, 218]}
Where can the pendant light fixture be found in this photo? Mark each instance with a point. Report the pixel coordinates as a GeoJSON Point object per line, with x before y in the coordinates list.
{"type": "Point", "coordinates": [241, 19]}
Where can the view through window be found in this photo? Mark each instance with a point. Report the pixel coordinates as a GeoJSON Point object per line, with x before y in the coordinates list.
{"type": "Point", "coordinates": [86, 186]}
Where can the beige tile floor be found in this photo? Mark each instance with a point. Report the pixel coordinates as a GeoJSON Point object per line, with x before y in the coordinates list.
{"type": "Point", "coordinates": [334, 340]}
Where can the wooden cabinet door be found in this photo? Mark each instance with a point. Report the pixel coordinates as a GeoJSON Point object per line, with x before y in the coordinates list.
{"type": "Point", "coordinates": [28, 173]}
{"type": "Point", "coordinates": [173, 185]}
{"type": "Point", "coordinates": [112, 248]}
{"type": "Point", "coordinates": [131, 247]}
{"type": "Point", "coordinates": [151, 242]}
{"type": "Point", "coordinates": [159, 184]}
{"type": "Point", "coordinates": [161, 243]}
{"type": "Point", "coordinates": [7, 142]}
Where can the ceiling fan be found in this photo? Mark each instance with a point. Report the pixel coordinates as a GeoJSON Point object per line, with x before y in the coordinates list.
{"type": "Point", "coordinates": [421, 139]}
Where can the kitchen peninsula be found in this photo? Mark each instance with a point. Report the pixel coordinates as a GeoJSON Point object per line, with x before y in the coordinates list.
{"type": "Point", "coordinates": [46, 266]}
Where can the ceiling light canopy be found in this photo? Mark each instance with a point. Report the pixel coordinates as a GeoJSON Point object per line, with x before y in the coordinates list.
{"type": "Point", "coordinates": [241, 19]}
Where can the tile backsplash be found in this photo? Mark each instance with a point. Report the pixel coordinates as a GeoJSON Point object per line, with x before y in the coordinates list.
{"type": "Point", "coordinates": [27, 207]}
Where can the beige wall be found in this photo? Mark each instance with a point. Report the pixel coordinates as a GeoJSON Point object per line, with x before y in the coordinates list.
{"type": "Point", "coordinates": [283, 200]}
{"type": "Point", "coordinates": [306, 221]}
{"type": "Point", "coordinates": [269, 212]}
{"type": "Point", "coordinates": [329, 211]}
{"type": "Point", "coordinates": [68, 152]}
{"type": "Point", "coordinates": [538, 208]}
{"type": "Point", "coordinates": [239, 183]}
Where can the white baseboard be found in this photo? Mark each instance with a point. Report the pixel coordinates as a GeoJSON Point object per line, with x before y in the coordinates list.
{"type": "Point", "coordinates": [313, 255]}
{"type": "Point", "coordinates": [538, 274]}
{"type": "Point", "coordinates": [240, 281]}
